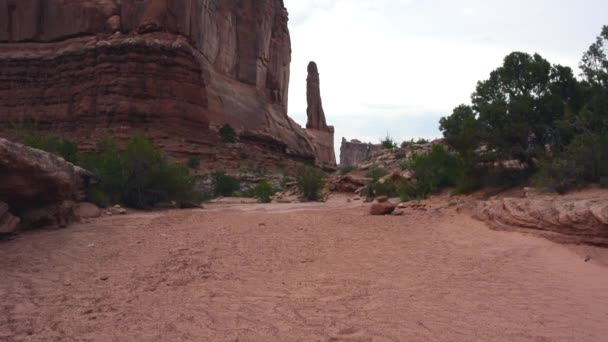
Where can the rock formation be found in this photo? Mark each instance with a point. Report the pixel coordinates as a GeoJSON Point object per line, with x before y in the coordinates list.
{"type": "Point", "coordinates": [316, 115]}
{"type": "Point", "coordinates": [172, 68]}
{"type": "Point", "coordinates": [321, 135]}
{"type": "Point", "coordinates": [40, 188]}
{"type": "Point", "coordinates": [8, 222]}
{"type": "Point", "coordinates": [354, 152]}
{"type": "Point", "coordinates": [570, 220]}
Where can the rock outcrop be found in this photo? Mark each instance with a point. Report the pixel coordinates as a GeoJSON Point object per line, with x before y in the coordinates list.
{"type": "Point", "coordinates": [316, 115]}
{"type": "Point", "coordinates": [8, 222]}
{"type": "Point", "coordinates": [40, 188]}
{"type": "Point", "coordinates": [172, 68]}
{"type": "Point", "coordinates": [321, 135]}
{"type": "Point", "coordinates": [569, 220]}
{"type": "Point", "coordinates": [354, 152]}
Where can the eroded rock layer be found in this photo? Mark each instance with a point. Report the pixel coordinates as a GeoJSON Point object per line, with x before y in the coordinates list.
{"type": "Point", "coordinates": [40, 188]}
{"type": "Point", "coordinates": [571, 220]}
{"type": "Point", "coordinates": [172, 68]}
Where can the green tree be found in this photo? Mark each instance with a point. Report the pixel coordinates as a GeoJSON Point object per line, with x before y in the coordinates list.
{"type": "Point", "coordinates": [519, 104]}
{"type": "Point", "coordinates": [225, 185]}
{"type": "Point", "coordinates": [595, 61]}
{"type": "Point", "coordinates": [461, 130]}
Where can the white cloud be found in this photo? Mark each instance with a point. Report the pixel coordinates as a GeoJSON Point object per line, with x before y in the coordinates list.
{"type": "Point", "coordinates": [398, 65]}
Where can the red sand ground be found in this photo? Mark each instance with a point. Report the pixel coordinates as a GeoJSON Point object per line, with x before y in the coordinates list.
{"type": "Point", "coordinates": [309, 272]}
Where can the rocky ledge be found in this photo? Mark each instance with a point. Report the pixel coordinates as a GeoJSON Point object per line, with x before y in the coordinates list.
{"type": "Point", "coordinates": [38, 188]}
{"type": "Point", "coordinates": [576, 220]}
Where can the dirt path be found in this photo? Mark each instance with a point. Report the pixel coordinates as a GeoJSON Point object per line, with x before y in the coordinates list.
{"type": "Point", "coordinates": [297, 273]}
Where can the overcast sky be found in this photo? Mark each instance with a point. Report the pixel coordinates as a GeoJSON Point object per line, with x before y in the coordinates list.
{"type": "Point", "coordinates": [397, 66]}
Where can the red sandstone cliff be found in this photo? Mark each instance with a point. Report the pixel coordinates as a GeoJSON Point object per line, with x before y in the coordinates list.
{"type": "Point", "coordinates": [173, 68]}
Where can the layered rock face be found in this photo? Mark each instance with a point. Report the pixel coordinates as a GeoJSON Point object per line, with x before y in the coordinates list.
{"type": "Point", "coordinates": [321, 135]}
{"type": "Point", "coordinates": [569, 220]}
{"type": "Point", "coordinates": [40, 188]}
{"type": "Point", "coordinates": [354, 152]}
{"type": "Point", "coordinates": [172, 68]}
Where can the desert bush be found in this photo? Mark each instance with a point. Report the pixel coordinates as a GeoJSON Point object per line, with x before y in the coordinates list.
{"type": "Point", "coordinates": [376, 172]}
{"type": "Point", "coordinates": [585, 160]}
{"type": "Point", "coordinates": [344, 170]}
{"type": "Point", "coordinates": [422, 141]}
{"type": "Point", "coordinates": [138, 176]}
{"type": "Point", "coordinates": [388, 188]}
{"type": "Point", "coordinates": [55, 144]}
{"type": "Point", "coordinates": [260, 170]}
{"type": "Point", "coordinates": [225, 185]}
{"type": "Point", "coordinates": [310, 182]}
{"type": "Point", "coordinates": [388, 143]}
{"type": "Point", "coordinates": [228, 134]}
{"type": "Point", "coordinates": [400, 153]}
{"type": "Point", "coordinates": [264, 191]}
{"type": "Point", "coordinates": [433, 171]}
{"type": "Point", "coordinates": [194, 162]}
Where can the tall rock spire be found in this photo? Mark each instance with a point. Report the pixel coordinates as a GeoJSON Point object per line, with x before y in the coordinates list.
{"type": "Point", "coordinates": [316, 115]}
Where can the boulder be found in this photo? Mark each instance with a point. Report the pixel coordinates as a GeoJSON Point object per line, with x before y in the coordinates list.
{"type": "Point", "coordinates": [87, 210]}
{"type": "Point", "coordinates": [40, 188]}
{"type": "Point", "coordinates": [8, 222]}
{"type": "Point", "coordinates": [382, 208]}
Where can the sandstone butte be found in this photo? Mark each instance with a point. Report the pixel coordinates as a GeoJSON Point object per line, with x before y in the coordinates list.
{"type": "Point", "coordinates": [176, 69]}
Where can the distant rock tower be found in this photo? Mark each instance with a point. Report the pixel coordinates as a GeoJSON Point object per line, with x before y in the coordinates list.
{"type": "Point", "coordinates": [316, 115]}
{"type": "Point", "coordinates": [321, 135]}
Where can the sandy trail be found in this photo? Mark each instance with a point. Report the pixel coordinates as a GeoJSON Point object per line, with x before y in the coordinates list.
{"type": "Point", "coordinates": [297, 273]}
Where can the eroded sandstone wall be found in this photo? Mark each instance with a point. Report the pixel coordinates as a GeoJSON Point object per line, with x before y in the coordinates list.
{"type": "Point", "coordinates": [172, 68]}
{"type": "Point", "coordinates": [354, 151]}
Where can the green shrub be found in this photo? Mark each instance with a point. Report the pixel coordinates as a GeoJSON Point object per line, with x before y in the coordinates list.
{"type": "Point", "coordinates": [96, 194]}
{"type": "Point", "coordinates": [264, 191]}
{"type": "Point", "coordinates": [310, 182]}
{"type": "Point", "coordinates": [138, 176]}
{"type": "Point", "coordinates": [194, 162]}
{"type": "Point", "coordinates": [388, 143]}
{"type": "Point", "coordinates": [259, 170]}
{"type": "Point", "coordinates": [400, 153]}
{"type": "Point", "coordinates": [406, 144]}
{"type": "Point", "coordinates": [433, 171]}
{"type": "Point", "coordinates": [54, 144]}
{"type": "Point", "coordinates": [585, 160]}
{"type": "Point", "coordinates": [225, 185]}
{"type": "Point", "coordinates": [344, 170]}
{"type": "Point", "coordinates": [422, 141]}
{"type": "Point", "coordinates": [387, 188]}
{"type": "Point", "coordinates": [376, 172]}
{"type": "Point", "coordinates": [228, 134]}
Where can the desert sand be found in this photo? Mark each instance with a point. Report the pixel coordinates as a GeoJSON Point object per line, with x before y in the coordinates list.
{"type": "Point", "coordinates": [298, 272]}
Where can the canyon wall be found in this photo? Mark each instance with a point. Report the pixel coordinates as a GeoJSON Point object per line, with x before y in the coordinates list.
{"type": "Point", "coordinates": [176, 69]}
